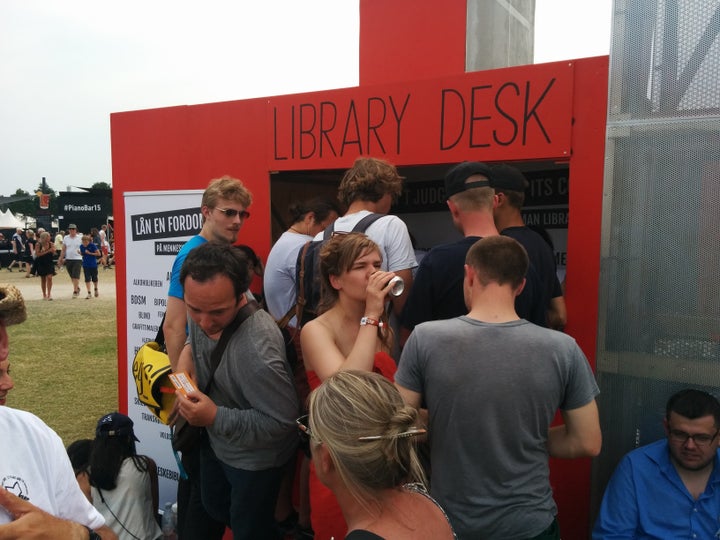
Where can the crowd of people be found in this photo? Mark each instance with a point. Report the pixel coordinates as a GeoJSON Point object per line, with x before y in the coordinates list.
{"type": "Point", "coordinates": [424, 412]}
{"type": "Point", "coordinates": [357, 331]}
{"type": "Point", "coordinates": [37, 253]}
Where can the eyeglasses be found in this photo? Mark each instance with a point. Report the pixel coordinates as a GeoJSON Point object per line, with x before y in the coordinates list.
{"type": "Point", "coordinates": [700, 439]}
{"type": "Point", "coordinates": [231, 212]}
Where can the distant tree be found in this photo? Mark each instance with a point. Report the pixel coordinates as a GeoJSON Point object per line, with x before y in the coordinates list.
{"type": "Point", "coordinates": [101, 185]}
{"type": "Point", "coordinates": [26, 207]}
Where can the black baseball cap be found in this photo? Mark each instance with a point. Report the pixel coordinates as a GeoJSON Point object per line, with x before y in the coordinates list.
{"type": "Point", "coordinates": [455, 179]}
{"type": "Point", "coordinates": [115, 425]}
{"type": "Point", "coordinates": [505, 176]}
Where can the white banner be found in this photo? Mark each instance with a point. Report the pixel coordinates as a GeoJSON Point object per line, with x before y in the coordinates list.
{"type": "Point", "coordinates": [158, 223]}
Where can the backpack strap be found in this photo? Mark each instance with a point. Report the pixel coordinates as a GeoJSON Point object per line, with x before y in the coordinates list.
{"type": "Point", "coordinates": [160, 336]}
{"type": "Point", "coordinates": [364, 223]}
{"type": "Point", "coordinates": [327, 233]}
{"type": "Point", "coordinates": [360, 226]}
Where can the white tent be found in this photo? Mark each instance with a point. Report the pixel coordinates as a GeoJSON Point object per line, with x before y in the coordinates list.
{"type": "Point", "coordinates": [26, 222]}
{"type": "Point", "coordinates": [9, 221]}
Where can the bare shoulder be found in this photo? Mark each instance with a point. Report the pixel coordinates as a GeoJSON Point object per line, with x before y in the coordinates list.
{"type": "Point", "coordinates": [418, 517]}
{"type": "Point", "coordinates": [323, 325]}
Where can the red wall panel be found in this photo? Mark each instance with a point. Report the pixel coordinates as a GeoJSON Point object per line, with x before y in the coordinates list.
{"type": "Point", "coordinates": [571, 478]}
{"type": "Point", "coordinates": [405, 40]}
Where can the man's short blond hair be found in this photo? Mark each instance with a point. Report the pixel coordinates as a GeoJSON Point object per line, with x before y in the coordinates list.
{"type": "Point", "coordinates": [228, 188]}
{"type": "Point", "coordinates": [474, 199]}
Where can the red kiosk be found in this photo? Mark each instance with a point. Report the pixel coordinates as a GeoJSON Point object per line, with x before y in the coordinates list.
{"type": "Point", "coordinates": [417, 109]}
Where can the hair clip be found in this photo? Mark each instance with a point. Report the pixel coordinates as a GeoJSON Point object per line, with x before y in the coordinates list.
{"type": "Point", "coordinates": [412, 432]}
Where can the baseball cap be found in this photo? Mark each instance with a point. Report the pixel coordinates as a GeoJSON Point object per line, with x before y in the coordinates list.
{"type": "Point", "coordinates": [455, 177]}
{"type": "Point", "coordinates": [115, 425]}
{"type": "Point", "coordinates": [72, 226]}
{"type": "Point", "coordinates": [508, 177]}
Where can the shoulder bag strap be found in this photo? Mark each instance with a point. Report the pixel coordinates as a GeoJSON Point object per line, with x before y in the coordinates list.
{"type": "Point", "coordinates": [245, 312]}
{"type": "Point", "coordinates": [160, 336]}
{"type": "Point", "coordinates": [282, 323]}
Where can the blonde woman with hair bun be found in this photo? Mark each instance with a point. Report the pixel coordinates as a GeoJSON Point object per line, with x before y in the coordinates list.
{"type": "Point", "coordinates": [362, 438]}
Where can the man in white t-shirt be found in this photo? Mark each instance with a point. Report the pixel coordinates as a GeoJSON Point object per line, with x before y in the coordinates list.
{"type": "Point", "coordinates": [36, 469]}
{"type": "Point", "coordinates": [104, 246]}
{"type": "Point", "coordinates": [371, 186]}
{"type": "Point", "coordinates": [71, 257]}
{"type": "Point", "coordinates": [39, 495]}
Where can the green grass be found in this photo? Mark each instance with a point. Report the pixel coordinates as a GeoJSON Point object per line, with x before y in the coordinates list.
{"type": "Point", "coordinates": [63, 360]}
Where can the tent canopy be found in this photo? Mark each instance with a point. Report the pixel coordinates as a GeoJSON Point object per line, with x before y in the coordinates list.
{"type": "Point", "coordinates": [9, 221]}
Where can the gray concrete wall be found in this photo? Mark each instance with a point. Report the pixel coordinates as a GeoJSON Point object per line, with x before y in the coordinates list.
{"type": "Point", "coordinates": [500, 33]}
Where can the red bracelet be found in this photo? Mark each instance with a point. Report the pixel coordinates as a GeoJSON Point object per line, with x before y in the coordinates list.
{"type": "Point", "coordinates": [372, 322]}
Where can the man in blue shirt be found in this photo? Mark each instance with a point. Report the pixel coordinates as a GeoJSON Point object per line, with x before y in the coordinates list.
{"type": "Point", "coordinates": [670, 488]}
{"type": "Point", "coordinates": [224, 208]}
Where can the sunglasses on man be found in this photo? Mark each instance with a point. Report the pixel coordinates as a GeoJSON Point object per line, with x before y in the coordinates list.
{"type": "Point", "coordinates": [231, 212]}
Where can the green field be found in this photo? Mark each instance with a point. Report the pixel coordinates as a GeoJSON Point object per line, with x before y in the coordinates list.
{"type": "Point", "coordinates": [63, 359]}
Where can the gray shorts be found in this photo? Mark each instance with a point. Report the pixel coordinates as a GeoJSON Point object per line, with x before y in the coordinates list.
{"type": "Point", "coordinates": [73, 268]}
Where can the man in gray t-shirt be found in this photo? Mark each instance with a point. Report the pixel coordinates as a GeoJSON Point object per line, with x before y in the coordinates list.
{"type": "Point", "coordinates": [492, 383]}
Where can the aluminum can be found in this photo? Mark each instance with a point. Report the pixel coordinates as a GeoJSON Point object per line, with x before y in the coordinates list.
{"type": "Point", "coordinates": [398, 286]}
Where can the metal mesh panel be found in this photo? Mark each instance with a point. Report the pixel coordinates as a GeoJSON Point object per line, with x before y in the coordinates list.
{"type": "Point", "coordinates": [660, 263]}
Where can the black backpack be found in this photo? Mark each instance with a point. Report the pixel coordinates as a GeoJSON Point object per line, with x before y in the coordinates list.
{"type": "Point", "coordinates": [307, 271]}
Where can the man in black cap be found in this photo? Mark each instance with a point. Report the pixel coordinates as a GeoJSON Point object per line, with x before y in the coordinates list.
{"type": "Point", "coordinates": [437, 291]}
{"type": "Point", "coordinates": [510, 185]}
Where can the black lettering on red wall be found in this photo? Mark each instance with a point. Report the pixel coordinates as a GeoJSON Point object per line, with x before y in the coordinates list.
{"type": "Point", "coordinates": [317, 130]}
{"type": "Point", "coordinates": [488, 115]}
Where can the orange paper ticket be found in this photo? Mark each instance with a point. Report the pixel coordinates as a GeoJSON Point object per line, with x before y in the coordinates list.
{"type": "Point", "coordinates": [182, 381]}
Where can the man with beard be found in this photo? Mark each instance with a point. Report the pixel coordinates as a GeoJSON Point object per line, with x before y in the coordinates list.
{"type": "Point", "coordinates": [669, 488]}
